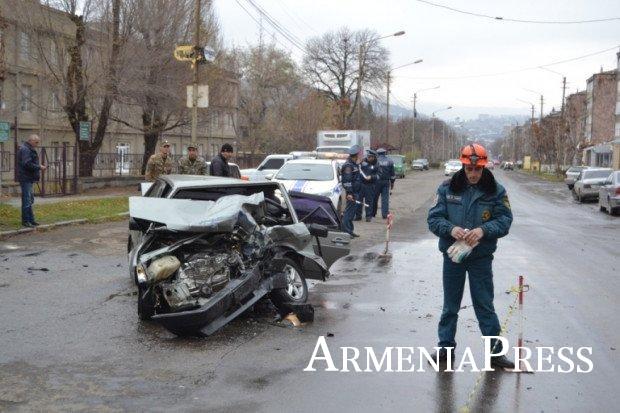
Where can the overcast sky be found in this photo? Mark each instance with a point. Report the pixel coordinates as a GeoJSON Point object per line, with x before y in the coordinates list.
{"type": "Point", "coordinates": [456, 45]}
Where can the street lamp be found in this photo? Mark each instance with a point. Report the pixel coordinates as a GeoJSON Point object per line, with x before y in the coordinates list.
{"type": "Point", "coordinates": [387, 104]}
{"type": "Point", "coordinates": [361, 61]}
{"type": "Point", "coordinates": [443, 140]}
{"type": "Point", "coordinates": [415, 114]}
{"type": "Point", "coordinates": [541, 101]}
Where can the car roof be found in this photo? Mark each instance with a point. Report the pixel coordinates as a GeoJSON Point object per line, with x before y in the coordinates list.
{"type": "Point", "coordinates": [188, 181]}
{"type": "Point", "coordinates": [311, 160]}
{"type": "Point", "coordinates": [279, 156]}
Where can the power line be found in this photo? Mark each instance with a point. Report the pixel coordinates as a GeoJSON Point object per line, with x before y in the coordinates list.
{"type": "Point", "coordinates": [500, 18]}
{"type": "Point", "coordinates": [259, 23]}
{"type": "Point", "coordinates": [277, 26]}
{"type": "Point", "coordinates": [295, 16]}
{"type": "Point", "coordinates": [508, 72]}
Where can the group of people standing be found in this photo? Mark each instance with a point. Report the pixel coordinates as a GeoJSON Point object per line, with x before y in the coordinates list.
{"type": "Point", "coordinates": [365, 181]}
{"type": "Point", "coordinates": [161, 163]}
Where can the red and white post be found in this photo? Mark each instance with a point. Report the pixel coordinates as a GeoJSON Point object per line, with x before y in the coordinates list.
{"type": "Point", "coordinates": [520, 339]}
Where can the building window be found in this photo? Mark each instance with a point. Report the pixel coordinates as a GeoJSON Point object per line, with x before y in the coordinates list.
{"type": "Point", "coordinates": [55, 101]}
{"type": "Point", "coordinates": [2, 103]}
{"type": "Point", "coordinates": [24, 46]}
{"type": "Point", "coordinates": [26, 98]}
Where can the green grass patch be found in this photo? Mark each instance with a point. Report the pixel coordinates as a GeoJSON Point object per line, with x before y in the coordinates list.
{"type": "Point", "coordinates": [547, 176]}
{"type": "Point", "coordinates": [92, 210]}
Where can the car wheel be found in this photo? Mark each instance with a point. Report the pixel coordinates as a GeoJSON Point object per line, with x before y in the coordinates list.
{"type": "Point", "coordinates": [601, 208]}
{"type": "Point", "coordinates": [614, 211]}
{"type": "Point", "coordinates": [146, 303]}
{"type": "Point", "coordinates": [296, 290]}
{"type": "Point", "coordinates": [571, 187]}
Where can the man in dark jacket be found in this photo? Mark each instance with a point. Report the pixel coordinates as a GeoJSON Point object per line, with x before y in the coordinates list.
{"type": "Point", "coordinates": [28, 172]}
{"type": "Point", "coordinates": [219, 164]}
{"type": "Point", "coordinates": [474, 208]}
{"type": "Point", "coordinates": [351, 182]}
{"type": "Point", "coordinates": [370, 175]}
{"type": "Point", "coordinates": [385, 184]}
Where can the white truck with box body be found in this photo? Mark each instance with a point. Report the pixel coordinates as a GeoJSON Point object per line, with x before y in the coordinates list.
{"type": "Point", "coordinates": [339, 141]}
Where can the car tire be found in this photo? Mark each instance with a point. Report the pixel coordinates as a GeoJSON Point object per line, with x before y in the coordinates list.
{"type": "Point", "coordinates": [146, 303]}
{"type": "Point", "coordinates": [601, 208]}
{"type": "Point", "coordinates": [296, 291]}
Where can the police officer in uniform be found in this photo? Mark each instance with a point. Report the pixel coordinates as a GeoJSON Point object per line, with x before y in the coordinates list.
{"type": "Point", "coordinates": [370, 176]}
{"type": "Point", "coordinates": [351, 181]}
{"type": "Point", "coordinates": [385, 183]}
{"type": "Point", "coordinates": [192, 164]}
{"type": "Point", "coordinates": [159, 163]}
{"type": "Point", "coordinates": [473, 207]}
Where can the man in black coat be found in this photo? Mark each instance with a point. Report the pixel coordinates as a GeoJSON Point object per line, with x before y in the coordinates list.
{"type": "Point", "coordinates": [28, 172]}
{"type": "Point", "coordinates": [219, 164]}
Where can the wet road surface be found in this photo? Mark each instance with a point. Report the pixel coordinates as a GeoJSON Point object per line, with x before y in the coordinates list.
{"type": "Point", "coordinates": [71, 339]}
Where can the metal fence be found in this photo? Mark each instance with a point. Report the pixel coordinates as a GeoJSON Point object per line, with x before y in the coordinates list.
{"type": "Point", "coordinates": [60, 178]}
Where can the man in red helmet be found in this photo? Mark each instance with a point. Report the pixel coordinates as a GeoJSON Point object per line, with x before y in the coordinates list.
{"type": "Point", "coordinates": [474, 208]}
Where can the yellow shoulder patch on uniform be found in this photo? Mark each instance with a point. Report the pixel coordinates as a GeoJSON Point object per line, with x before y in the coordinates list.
{"type": "Point", "coordinates": [506, 201]}
{"type": "Point", "coordinates": [486, 215]}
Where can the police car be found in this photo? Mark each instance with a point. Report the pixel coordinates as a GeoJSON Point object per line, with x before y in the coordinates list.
{"type": "Point", "coordinates": [313, 176]}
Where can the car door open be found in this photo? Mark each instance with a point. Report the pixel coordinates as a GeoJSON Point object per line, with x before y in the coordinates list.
{"type": "Point", "coordinates": [316, 209]}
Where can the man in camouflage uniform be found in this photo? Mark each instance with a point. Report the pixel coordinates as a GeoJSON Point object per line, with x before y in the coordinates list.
{"type": "Point", "coordinates": [192, 164]}
{"type": "Point", "coordinates": [159, 163]}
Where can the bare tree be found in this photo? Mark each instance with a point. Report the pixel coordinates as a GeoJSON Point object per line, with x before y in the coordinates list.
{"type": "Point", "coordinates": [333, 62]}
{"type": "Point", "coordinates": [82, 61]}
{"type": "Point", "coordinates": [155, 82]}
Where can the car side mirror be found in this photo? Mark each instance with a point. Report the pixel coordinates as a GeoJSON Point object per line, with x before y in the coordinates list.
{"type": "Point", "coordinates": [317, 230]}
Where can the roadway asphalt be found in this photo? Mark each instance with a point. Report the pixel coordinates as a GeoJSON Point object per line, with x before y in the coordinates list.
{"type": "Point", "coordinates": [71, 339]}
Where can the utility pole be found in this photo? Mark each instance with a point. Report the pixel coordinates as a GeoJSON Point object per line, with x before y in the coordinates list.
{"type": "Point", "coordinates": [415, 98]}
{"type": "Point", "coordinates": [196, 73]}
{"type": "Point", "coordinates": [443, 140]}
{"type": "Point", "coordinates": [563, 94]}
{"type": "Point", "coordinates": [541, 109]}
{"type": "Point", "coordinates": [387, 110]}
{"type": "Point", "coordinates": [360, 74]}
{"type": "Point", "coordinates": [433, 133]}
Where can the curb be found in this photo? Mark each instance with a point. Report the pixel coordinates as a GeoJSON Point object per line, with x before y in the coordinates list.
{"type": "Point", "coordinates": [47, 227]}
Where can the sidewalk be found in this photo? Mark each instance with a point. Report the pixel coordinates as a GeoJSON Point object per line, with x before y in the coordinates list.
{"type": "Point", "coordinates": [98, 193]}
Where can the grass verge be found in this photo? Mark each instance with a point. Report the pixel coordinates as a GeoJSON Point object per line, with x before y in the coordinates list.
{"type": "Point", "coordinates": [546, 176]}
{"type": "Point", "coordinates": [92, 210]}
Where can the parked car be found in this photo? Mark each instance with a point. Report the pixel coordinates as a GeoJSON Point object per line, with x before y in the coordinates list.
{"type": "Point", "coordinates": [268, 166]}
{"type": "Point", "coordinates": [314, 176]}
{"type": "Point", "coordinates": [588, 183]}
{"type": "Point", "coordinates": [419, 164]}
{"type": "Point", "coordinates": [571, 175]}
{"type": "Point", "coordinates": [508, 166]}
{"type": "Point", "coordinates": [399, 165]}
{"type": "Point", "coordinates": [199, 265]}
{"type": "Point", "coordinates": [609, 194]}
{"type": "Point", "coordinates": [452, 166]}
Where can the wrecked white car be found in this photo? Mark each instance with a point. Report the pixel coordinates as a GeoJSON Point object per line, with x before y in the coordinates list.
{"type": "Point", "coordinates": [204, 249]}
